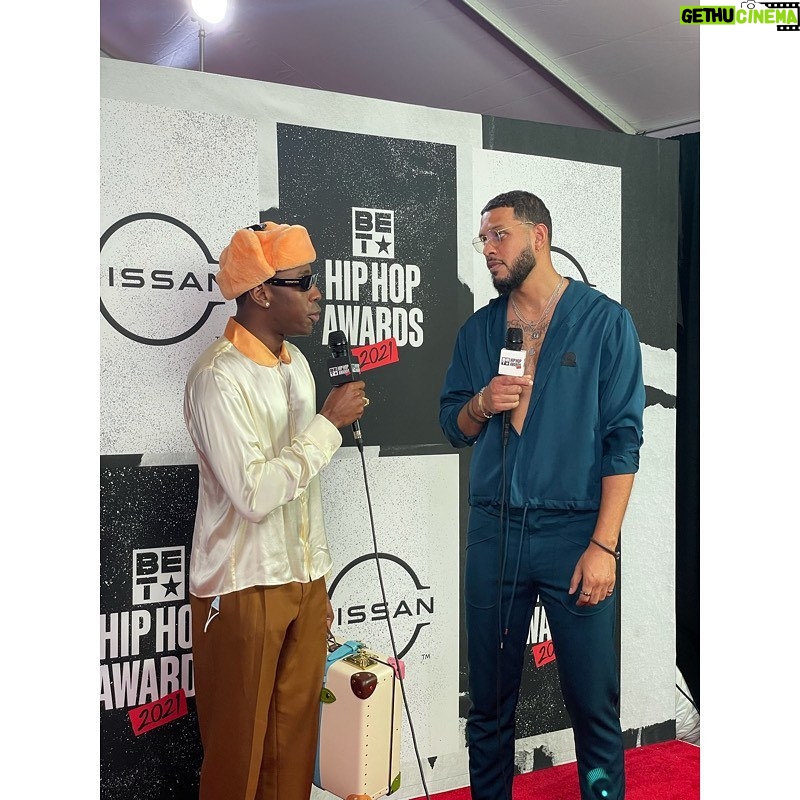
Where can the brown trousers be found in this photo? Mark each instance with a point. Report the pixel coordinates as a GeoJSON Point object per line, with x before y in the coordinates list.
{"type": "Point", "coordinates": [258, 670]}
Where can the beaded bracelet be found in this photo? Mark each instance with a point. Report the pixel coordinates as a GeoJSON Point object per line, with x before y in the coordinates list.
{"type": "Point", "coordinates": [480, 404]}
{"type": "Point", "coordinates": [608, 550]}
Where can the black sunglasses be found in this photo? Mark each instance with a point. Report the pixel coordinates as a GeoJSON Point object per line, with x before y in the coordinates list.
{"type": "Point", "coordinates": [305, 282]}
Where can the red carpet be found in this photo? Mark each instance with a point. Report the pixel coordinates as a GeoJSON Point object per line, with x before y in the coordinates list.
{"type": "Point", "coordinates": [664, 771]}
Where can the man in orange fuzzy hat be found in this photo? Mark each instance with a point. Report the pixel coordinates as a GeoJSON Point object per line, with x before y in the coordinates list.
{"type": "Point", "coordinates": [260, 609]}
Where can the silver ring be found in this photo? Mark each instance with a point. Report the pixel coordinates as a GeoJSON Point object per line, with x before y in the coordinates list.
{"type": "Point", "coordinates": [366, 402]}
{"type": "Point", "coordinates": [586, 594]}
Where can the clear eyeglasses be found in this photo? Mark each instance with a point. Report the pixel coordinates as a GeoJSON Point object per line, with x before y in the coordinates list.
{"type": "Point", "coordinates": [494, 237]}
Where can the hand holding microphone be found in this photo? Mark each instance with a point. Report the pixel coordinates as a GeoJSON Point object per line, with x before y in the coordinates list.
{"type": "Point", "coordinates": [503, 391]}
{"type": "Point", "coordinates": [346, 402]}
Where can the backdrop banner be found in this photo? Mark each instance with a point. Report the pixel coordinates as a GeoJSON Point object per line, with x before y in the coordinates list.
{"type": "Point", "coordinates": [391, 195]}
{"type": "Point", "coordinates": [149, 744]}
{"type": "Point", "coordinates": [382, 213]}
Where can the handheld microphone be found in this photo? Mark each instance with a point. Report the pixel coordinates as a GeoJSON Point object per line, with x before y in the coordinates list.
{"type": "Point", "coordinates": [512, 362]}
{"type": "Point", "coordinates": [343, 368]}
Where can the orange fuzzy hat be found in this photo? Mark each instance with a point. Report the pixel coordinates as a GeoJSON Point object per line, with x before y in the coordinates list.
{"type": "Point", "coordinates": [253, 257]}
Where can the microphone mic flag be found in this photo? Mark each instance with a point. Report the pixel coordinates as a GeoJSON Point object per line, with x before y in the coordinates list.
{"type": "Point", "coordinates": [512, 362]}
{"type": "Point", "coordinates": [343, 368]}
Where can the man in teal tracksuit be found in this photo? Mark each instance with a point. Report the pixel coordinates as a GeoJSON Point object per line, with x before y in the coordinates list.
{"type": "Point", "coordinates": [547, 500]}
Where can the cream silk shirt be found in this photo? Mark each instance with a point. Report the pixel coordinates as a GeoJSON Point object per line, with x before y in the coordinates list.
{"type": "Point", "coordinates": [260, 446]}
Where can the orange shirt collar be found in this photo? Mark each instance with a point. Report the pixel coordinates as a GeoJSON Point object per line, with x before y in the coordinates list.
{"type": "Point", "coordinates": [248, 345]}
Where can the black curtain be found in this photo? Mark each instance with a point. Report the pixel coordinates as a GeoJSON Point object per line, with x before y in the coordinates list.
{"type": "Point", "coordinates": [687, 466]}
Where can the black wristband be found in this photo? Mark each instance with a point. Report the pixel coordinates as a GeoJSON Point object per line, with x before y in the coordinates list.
{"type": "Point", "coordinates": [476, 419]}
{"type": "Point", "coordinates": [608, 550]}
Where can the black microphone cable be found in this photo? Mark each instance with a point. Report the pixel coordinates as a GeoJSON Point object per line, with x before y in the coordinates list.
{"type": "Point", "coordinates": [512, 362]}
{"type": "Point", "coordinates": [338, 343]}
{"type": "Point", "coordinates": [501, 569]}
{"type": "Point", "coordinates": [389, 624]}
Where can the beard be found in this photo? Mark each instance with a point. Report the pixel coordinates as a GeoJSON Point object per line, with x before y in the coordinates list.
{"type": "Point", "coordinates": [517, 272]}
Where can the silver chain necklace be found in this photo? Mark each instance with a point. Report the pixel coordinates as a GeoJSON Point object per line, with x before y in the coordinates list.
{"type": "Point", "coordinates": [534, 329]}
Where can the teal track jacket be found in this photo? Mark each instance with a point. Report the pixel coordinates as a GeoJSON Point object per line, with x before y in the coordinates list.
{"type": "Point", "coordinates": [584, 420]}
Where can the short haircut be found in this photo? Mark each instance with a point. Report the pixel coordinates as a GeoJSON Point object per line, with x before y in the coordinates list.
{"type": "Point", "coordinates": [527, 207]}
